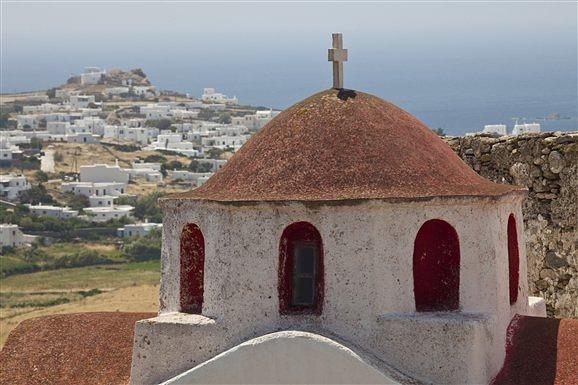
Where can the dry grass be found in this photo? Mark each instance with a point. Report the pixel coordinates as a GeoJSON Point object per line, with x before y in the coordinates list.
{"type": "Point", "coordinates": [131, 287]}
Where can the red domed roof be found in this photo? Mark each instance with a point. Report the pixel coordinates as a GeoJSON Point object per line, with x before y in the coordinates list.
{"type": "Point", "coordinates": [343, 145]}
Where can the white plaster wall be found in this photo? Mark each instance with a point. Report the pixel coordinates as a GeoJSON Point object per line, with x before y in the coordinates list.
{"type": "Point", "coordinates": [289, 357]}
{"type": "Point", "coordinates": [368, 253]}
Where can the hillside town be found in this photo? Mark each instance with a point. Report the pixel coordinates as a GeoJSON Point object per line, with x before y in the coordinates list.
{"type": "Point", "coordinates": [52, 145]}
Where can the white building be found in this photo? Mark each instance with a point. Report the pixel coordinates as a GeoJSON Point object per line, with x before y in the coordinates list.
{"type": "Point", "coordinates": [151, 172]}
{"type": "Point", "coordinates": [156, 111]}
{"type": "Point", "coordinates": [137, 229]}
{"type": "Point", "coordinates": [526, 128]}
{"type": "Point", "coordinates": [101, 200]}
{"type": "Point", "coordinates": [254, 121]}
{"type": "Point", "coordinates": [92, 75]}
{"type": "Point", "coordinates": [116, 91]}
{"type": "Point", "coordinates": [291, 263]}
{"type": "Point", "coordinates": [103, 214]}
{"type": "Point", "coordinates": [211, 96]}
{"type": "Point", "coordinates": [103, 173]}
{"type": "Point", "coordinates": [82, 138]}
{"type": "Point", "coordinates": [497, 129]}
{"type": "Point", "coordinates": [81, 101]}
{"type": "Point", "coordinates": [12, 236]}
{"type": "Point", "coordinates": [140, 135]}
{"type": "Point", "coordinates": [194, 178]}
{"type": "Point", "coordinates": [173, 142]}
{"type": "Point", "coordinates": [93, 124]}
{"type": "Point", "coordinates": [144, 91]}
{"type": "Point", "coordinates": [57, 127]}
{"type": "Point", "coordinates": [27, 121]}
{"type": "Point", "coordinates": [9, 151]}
{"type": "Point", "coordinates": [89, 189]}
{"type": "Point", "coordinates": [52, 211]}
{"type": "Point", "coordinates": [225, 141]}
{"type": "Point", "coordinates": [11, 185]}
{"type": "Point", "coordinates": [42, 108]}
{"type": "Point", "coordinates": [133, 122]}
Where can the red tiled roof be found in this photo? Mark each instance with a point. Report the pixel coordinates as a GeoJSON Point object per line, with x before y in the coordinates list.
{"type": "Point", "coordinates": [79, 349]}
{"type": "Point", "coordinates": [344, 145]}
{"type": "Point", "coordinates": [541, 351]}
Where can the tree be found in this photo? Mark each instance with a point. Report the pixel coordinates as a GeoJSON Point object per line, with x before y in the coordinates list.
{"type": "Point", "coordinates": [146, 207]}
{"type": "Point", "coordinates": [196, 166]}
{"type": "Point", "coordinates": [144, 248]}
{"type": "Point", "coordinates": [78, 202]}
{"type": "Point", "coordinates": [214, 153]}
{"type": "Point", "coordinates": [440, 131]}
{"type": "Point", "coordinates": [5, 121]}
{"type": "Point", "coordinates": [172, 165]}
{"type": "Point", "coordinates": [35, 195]}
{"type": "Point", "coordinates": [206, 114]}
{"type": "Point", "coordinates": [161, 124]}
{"type": "Point", "coordinates": [155, 158]}
{"type": "Point", "coordinates": [35, 143]}
{"type": "Point", "coordinates": [51, 93]}
{"type": "Point", "coordinates": [41, 176]}
{"type": "Point", "coordinates": [225, 118]}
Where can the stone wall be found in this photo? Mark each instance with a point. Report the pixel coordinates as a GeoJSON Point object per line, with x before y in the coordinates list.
{"type": "Point", "coordinates": [547, 164]}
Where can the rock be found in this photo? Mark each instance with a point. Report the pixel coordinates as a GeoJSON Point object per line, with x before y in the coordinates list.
{"type": "Point", "coordinates": [553, 261]}
{"type": "Point", "coordinates": [542, 285]}
{"type": "Point", "coordinates": [538, 161]}
{"type": "Point", "coordinates": [521, 174]}
{"type": "Point", "coordinates": [546, 196]}
{"type": "Point", "coordinates": [486, 158]}
{"type": "Point", "coordinates": [556, 161]}
{"type": "Point", "coordinates": [547, 273]}
{"type": "Point", "coordinates": [545, 151]}
{"type": "Point", "coordinates": [565, 139]}
{"type": "Point", "coordinates": [469, 151]}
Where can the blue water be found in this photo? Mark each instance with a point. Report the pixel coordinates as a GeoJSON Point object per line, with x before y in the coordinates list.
{"type": "Point", "coordinates": [458, 95]}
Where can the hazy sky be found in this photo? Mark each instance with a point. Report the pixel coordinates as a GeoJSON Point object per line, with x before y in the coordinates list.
{"type": "Point", "coordinates": [275, 53]}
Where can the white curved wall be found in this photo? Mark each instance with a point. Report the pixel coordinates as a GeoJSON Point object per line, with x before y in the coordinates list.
{"type": "Point", "coordinates": [368, 254]}
{"type": "Point", "coordinates": [288, 357]}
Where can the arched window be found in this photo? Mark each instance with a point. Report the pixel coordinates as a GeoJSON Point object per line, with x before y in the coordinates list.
{"type": "Point", "coordinates": [513, 259]}
{"type": "Point", "coordinates": [192, 269]}
{"type": "Point", "coordinates": [436, 267]}
{"type": "Point", "coordinates": [300, 270]}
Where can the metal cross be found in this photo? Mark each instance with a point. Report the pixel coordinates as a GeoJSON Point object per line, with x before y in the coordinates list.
{"type": "Point", "coordinates": [337, 55]}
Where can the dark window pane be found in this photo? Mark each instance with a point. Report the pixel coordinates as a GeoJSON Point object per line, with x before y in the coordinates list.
{"type": "Point", "coordinates": [303, 291]}
{"type": "Point", "coordinates": [304, 260]}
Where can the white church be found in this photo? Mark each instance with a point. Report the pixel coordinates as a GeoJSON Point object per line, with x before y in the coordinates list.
{"type": "Point", "coordinates": [343, 243]}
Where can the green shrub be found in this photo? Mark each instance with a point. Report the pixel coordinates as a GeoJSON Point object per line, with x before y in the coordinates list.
{"type": "Point", "coordinates": [144, 248]}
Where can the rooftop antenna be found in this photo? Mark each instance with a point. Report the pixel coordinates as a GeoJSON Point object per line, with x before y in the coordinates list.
{"type": "Point", "coordinates": [337, 55]}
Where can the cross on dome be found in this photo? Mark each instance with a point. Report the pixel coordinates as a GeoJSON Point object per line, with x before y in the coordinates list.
{"type": "Point", "coordinates": [337, 55]}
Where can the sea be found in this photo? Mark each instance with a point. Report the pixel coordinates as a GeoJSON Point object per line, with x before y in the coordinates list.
{"type": "Point", "coordinates": [459, 97]}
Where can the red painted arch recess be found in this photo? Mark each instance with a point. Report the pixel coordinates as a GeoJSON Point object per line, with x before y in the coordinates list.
{"type": "Point", "coordinates": [293, 234]}
{"type": "Point", "coordinates": [436, 267]}
{"type": "Point", "coordinates": [513, 259]}
{"type": "Point", "coordinates": [192, 253]}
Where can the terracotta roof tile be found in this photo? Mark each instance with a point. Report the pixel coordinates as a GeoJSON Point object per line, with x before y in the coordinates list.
{"type": "Point", "coordinates": [343, 145]}
{"type": "Point", "coordinates": [80, 349]}
{"type": "Point", "coordinates": [541, 351]}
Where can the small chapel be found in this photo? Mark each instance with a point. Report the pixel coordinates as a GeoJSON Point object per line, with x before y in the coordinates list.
{"type": "Point", "coordinates": [345, 242]}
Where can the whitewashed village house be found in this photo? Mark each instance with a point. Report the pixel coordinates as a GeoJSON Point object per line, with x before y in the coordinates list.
{"type": "Point", "coordinates": [92, 75]}
{"type": "Point", "coordinates": [57, 212]}
{"type": "Point", "coordinates": [137, 229]}
{"type": "Point", "coordinates": [211, 96]}
{"type": "Point", "coordinates": [11, 185]}
{"type": "Point", "coordinates": [12, 236]}
{"type": "Point", "coordinates": [345, 242]}
{"type": "Point", "coordinates": [526, 128]}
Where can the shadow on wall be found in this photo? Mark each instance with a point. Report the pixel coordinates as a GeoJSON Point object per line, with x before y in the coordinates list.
{"type": "Point", "coordinates": [532, 353]}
